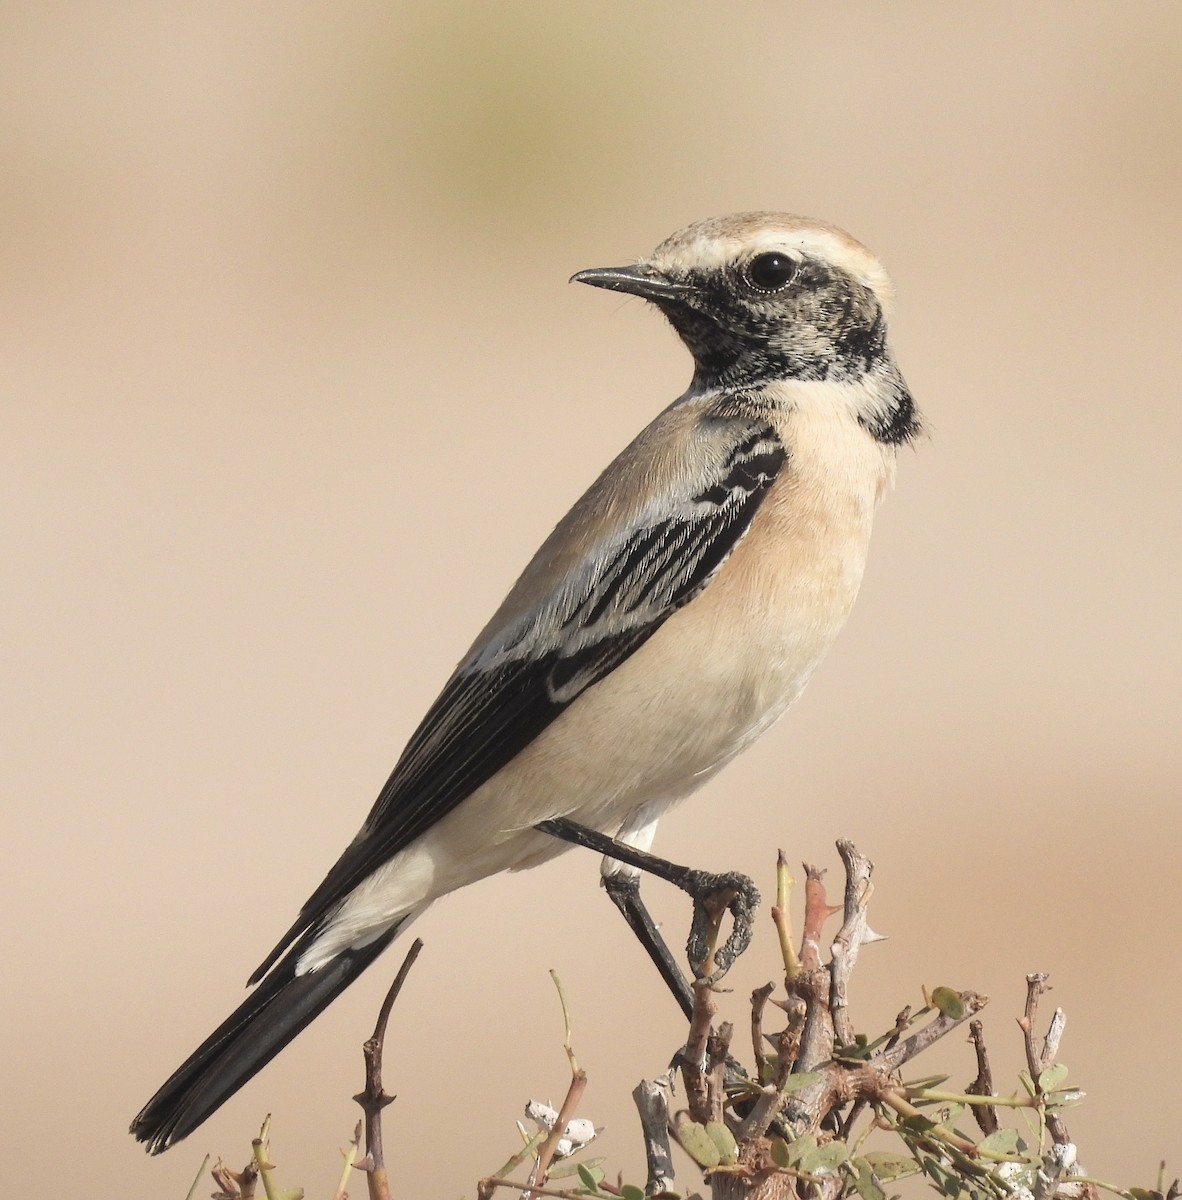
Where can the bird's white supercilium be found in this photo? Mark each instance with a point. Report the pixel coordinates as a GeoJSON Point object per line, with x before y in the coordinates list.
{"type": "Point", "coordinates": [673, 614]}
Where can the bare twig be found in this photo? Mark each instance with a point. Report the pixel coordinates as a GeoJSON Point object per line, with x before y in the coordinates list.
{"type": "Point", "coordinates": [788, 1044]}
{"type": "Point", "coordinates": [759, 999]}
{"type": "Point", "coordinates": [985, 1114]}
{"type": "Point", "coordinates": [782, 917]}
{"type": "Point", "coordinates": [717, 1049]}
{"type": "Point", "coordinates": [350, 1155]}
{"type": "Point", "coordinates": [817, 910]}
{"type": "Point", "coordinates": [488, 1185]}
{"type": "Point", "coordinates": [854, 932]}
{"type": "Point", "coordinates": [762, 1114]}
{"type": "Point", "coordinates": [771, 1097]}
{"type": "Point", "coordinates": [492, 1182]}
{"type": "Point", "coordinates": [1036, 985]}
{"type": "Point", "coordinates": [846, 1129]}
{"type": "Point", "coordinates": [192, 1192]}
{"type": "Point", "coordinates": [907, 1048]}
{"type": "Point", "coordinates": [567, 1045]}
{"type": "Point", "coordinates": [816, 1037]}
{"type": "Point", "coordinates": [810, 987]}
{"type": "Point", "coordinates": [374, 1098]}
{"type": "Point", "coordinates": [902, 1021]}
{"type": "Point", "coordinates": [652, 1102]}
{"type": "Point", "coordinates": [693, 1057]}
{"type": "Point", "coordinates": [574, 1093]}
{"type": "Point", "coordinates": [260, 1148]}
{"type": "Point", "coordinates": [1038, 1060]}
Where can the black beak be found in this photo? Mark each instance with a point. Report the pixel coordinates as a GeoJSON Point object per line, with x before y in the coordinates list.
{"type": "Point", "coordinates": [636, 280]}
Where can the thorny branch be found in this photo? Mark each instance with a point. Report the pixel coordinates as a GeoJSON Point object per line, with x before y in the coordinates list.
{"type": "Point", "coordinates": [984, 1114]}
{"type": "Point", "coordinates": [759, 999]}
{"type": "Point", "coordinates": [374, 1097]}
{"type": "Point", "coordinates": [1039, 1060]}
{"type": "Point", "coordinates": [795, 1126]}
{"type": "Point", "coordinates": [570, 1103]}
{"type": "Point", "coordinates": [652, 1103]}
{"type": "Point", "coordinates": [850, 938]}
{"type": "Point", "coordinates": [693, 1056]}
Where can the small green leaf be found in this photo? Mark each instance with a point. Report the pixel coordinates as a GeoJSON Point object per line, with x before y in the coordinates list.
{"type": "Point", "coordinates": [629, 1191]}
{"type": "Point", "coordinates": [1004, 1141]}
{"type": "Point", "coordinates": [865, 1185]}
{"type": "Point", "coordinates": [721, 1136]}
{"type": "Point", "coordinates": [799, 1147]}
{"type": "Point", "coordinates": [1143, 1194]}
{"type": "Point", "coordinates": [781, 1153]}
{"type": "Point", "coordinates": [698, 1144]}
{"type": "Point", "coordinates": [928, 1081]}
{"type": "Point", "coordinates": [824, 1159]}
{"type": "Point", "coordinates": [590, 1177]}
{"type": "Point", "coordinates": [1066, 1098]}
{"type": "Point", "coordinates": [918, 1123]}
{"type": "Point", "coordinates": [857, 1051]}
{"type": "Point", "coordinates": [797, 1083]}
{"type": "Point", "coordinates": [950, 1114]}
{"type": "Point", "coordinates": [291, 1193]}
{"type": "Point", "coordinates": [888, 1167]}
{"type": "Point", "coordinates": [932, 1169]}
{"type": "Point", "coordinates": [570, 1167]}
{"type": "Point", "coordinates": [1050, 1079]}
{"type": "Point", "coordinates": [948, 1002]}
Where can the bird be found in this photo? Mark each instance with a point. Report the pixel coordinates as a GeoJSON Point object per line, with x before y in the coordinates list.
{"type": "Point", "coordinates": [669, 619]}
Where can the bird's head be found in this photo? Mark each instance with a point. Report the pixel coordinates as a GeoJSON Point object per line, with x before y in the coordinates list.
{"type": "Point", "coordinates": [762, 296]}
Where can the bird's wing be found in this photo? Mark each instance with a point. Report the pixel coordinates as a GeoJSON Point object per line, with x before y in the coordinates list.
{"type": "Point", "coordinates": [523, 674]}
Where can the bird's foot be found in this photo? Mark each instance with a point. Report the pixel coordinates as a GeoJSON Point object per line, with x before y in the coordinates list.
{"type": "Point", "coordinates": [714, 895]}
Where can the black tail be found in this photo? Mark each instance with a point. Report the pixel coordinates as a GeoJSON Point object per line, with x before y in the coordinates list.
{"type": "Point", "coordinates": [282, 1005]}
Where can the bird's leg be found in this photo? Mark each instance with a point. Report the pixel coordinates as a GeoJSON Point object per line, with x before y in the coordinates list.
{"type": "Point", "coordinates": [711, 893]}
{"type": "Point", "coordinates": [624, 890]}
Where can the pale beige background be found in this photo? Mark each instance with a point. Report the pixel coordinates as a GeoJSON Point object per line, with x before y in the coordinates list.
{"type": "Point", "coordinates": [289, 371]}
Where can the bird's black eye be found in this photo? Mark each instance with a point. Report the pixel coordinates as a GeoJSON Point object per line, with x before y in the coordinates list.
{"type": "Point", "coordinates": [770, 272]}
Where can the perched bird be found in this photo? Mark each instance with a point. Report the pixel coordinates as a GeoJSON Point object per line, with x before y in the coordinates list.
{"type": "Point", "coordinates": [673, 614]}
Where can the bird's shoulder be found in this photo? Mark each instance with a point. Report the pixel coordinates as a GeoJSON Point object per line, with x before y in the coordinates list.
{"type": "Point", "coordinates": [690, 452]}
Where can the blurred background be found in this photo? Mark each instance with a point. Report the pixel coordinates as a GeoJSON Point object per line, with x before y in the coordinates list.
{"type": "Point", "coordinates": [289, 368]}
